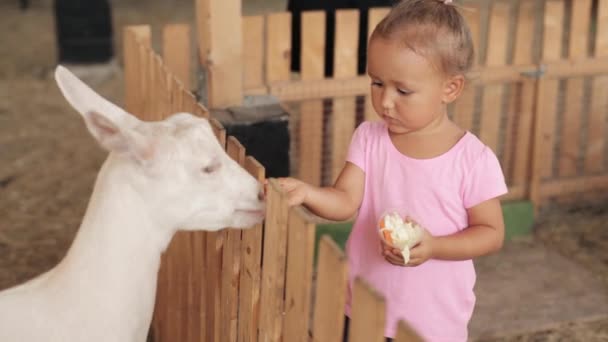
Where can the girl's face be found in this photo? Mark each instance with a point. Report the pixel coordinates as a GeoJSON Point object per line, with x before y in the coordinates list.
{"type": "Point", "coordinates": [408, 92]}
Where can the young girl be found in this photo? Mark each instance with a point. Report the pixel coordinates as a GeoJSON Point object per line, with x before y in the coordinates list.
{"type": "Point", "coordinates": [418, 161]}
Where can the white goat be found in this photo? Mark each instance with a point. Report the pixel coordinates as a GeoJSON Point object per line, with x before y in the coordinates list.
{"type": "Point", "coordinates": [159, 177]}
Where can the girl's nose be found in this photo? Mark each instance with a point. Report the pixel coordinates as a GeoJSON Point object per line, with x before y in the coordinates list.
{"type": "Point", "coordinates": [387, 102]}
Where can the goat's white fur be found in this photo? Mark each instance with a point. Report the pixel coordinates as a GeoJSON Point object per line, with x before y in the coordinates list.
{"type": "Point", "coordinates": [159, 177]}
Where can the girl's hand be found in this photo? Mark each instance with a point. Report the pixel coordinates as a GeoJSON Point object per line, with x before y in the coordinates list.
{"type": "Point", "coordinates": [419, 254]}
{"type": "Point", "coordinates": [296, 190]}
{"type": "Point", "coordinates": [423, 251]}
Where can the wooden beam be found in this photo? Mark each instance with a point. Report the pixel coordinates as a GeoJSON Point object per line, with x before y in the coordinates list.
{"type": "Point", "coordinates": [326, 88]}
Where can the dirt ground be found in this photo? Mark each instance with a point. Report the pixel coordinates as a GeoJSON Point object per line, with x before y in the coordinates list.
{"type": "Point", "coordinates": [48, 163]}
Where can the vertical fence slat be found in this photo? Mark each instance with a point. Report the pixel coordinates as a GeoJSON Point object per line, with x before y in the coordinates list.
{"type": "Point", "coordinates": [344, 109]}
{"type": "Point", "coordinates": [552, 46]}
{"type": "Point", "coordinates": [176, 51]}
{"type": "Point", "coordinates": [231, 262]}
{"type": "Point", "coordinates": [300, 249]}
{"type": "Point", "coordinates": [368, 314]}
{"type": "Point", "coordinates": [253, 51]}
{"type": "Point", "coordinates": [250, 278]}
{"type": "Point", "coordinates": [546, 104]}
{"type": "Point", "coordinates": [330, 294]}
{"type": "Point", "coordinates": [313, 45]}
{"type": "Point", "coordinates": [213, 259]}
{"type": "Point", "coordinates": [164, 82]}
{"type": "Point", "coordinates": [521, 106]}
{"type": "Point", "coordinates": [571, 123]}
{"type": "Point", "coordinates": [274, 261]}
{"type": "Point", "coordinates": [311, 112]}
{"type": "Point", "coordinates": [493, 94]}
{"type": "Point", "coordinates": [464, 107]}
{"type": "Point", "coordinates": [134, 38]}
{"type": "Point", "coordinates": [222, 57]}
{"type": "Point", "coordinates": [594, 154]}
{"type": "Point", "coordinates": [406, 334]}
{"type": "Point", "coordinates": [278, 47]}
{"type": "Point", "coordinates": [199, 321]}
{"type": "Point", "coordinates": [375, 15]}
{"type": "Point", "coordinates": [346, 43]}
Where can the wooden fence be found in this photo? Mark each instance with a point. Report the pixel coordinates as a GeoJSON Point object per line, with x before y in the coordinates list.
{"type": "Point", "coordinates": [243, 285]}
{"type": "Point", "coordinates": [538, 95]}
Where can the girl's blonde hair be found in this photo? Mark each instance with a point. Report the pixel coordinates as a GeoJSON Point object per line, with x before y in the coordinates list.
{"type": "Point", "coordinates": [432, 28]}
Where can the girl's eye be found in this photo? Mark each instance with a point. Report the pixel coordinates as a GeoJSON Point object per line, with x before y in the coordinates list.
{"type": "Point", "coordinates": [376, 83]}
{"type": "Point", "coordinates": [403, 92]}
{"type": "Point", "coordinates": [212, 167]}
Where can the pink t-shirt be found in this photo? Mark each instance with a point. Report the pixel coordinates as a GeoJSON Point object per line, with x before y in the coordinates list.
{"type": "Point", "coordinates": [435, 298]}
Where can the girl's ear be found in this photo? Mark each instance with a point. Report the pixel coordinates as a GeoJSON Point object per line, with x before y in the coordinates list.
{"type": "Point", "coordinates": [453, 87]}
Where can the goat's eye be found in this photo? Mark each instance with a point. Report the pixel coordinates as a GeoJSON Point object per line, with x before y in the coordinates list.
{"type": "Point", "coordinates": [211, 168]}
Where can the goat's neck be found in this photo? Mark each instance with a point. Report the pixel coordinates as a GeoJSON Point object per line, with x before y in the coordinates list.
{"type": "Point", "coordinates": [114, 260]}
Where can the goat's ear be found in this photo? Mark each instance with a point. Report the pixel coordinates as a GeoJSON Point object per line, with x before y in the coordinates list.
{"type": "Point", "coordinates": [120, 139]}
{"type": "Point", "coordinates": [85, 100]}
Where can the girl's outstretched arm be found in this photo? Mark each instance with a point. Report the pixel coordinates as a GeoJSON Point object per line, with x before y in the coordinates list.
{"type": "Point", "coordinates": [338, 202]}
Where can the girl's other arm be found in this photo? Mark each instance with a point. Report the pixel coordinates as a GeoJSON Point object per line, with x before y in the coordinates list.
{"type": "Point", "coordinates": [338, 202]}
{"type": "Point", "coordinates": [484, 235]}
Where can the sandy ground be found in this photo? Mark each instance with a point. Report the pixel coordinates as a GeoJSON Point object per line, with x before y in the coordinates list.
{"type": "Point", "coordinates": [48, 163]}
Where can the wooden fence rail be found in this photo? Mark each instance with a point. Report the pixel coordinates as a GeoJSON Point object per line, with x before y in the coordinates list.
{"type": "Point", "coordinates": [540, 104]}
{"type": "Point", "coordinates": [243, 285]}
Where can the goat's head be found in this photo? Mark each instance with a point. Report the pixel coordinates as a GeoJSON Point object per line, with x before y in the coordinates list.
{"type": "Point", "coordinates": [176, 166]}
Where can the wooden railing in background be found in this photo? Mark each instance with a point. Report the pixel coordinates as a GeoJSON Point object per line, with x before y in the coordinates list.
{"type": "Point", "coordinates": [244, 285]}
{"type": "Point", "coordinates": [551, 141]}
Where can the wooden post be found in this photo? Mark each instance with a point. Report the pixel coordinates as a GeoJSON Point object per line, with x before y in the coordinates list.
{"type": "Point", "coordinates": [220, 43]}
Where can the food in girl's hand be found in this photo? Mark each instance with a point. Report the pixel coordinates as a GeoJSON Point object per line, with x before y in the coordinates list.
{"type": "Point", "coordinates": [399, 234]}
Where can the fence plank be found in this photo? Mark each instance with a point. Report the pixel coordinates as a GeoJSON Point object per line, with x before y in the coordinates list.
{"type": "Point", "coordinates": [313, 45]}
{"type": "Point", "coordinates": [464, 107]}
{"type": "Point", "coordinates": [251, 267]}
{"type": "Point", "coordinates": [368, 314]}
{"type": "Point", "coordinates": [331, 287]}
{"type": "Point", "coordinates": [300, 248]}
{"type": "Point", "coordinates": [311, 112]}
{"type": "Point", "coordinates": [213, 260]}
{"type": "Point", "coordinates": [344, 112]}
{"type": "Point", "coordinates": [571, 123]}
{"type": "Point", "coordinates": [253, 51]}
{"type": "Point", "coordinates": [596, 138]}
{"type": "Point", "coordinates": [231, 262]}
{"type": "Point", "coordinates": [278, 47]}
{"type": "Point", "coordinates": [375, 15]}
{"type": "Point", "coordinates": [520, 112]}
{"type": "Point", "coordinates": [274, 259]}
{"type": "Point", "coordinates": [346, 43]}
{"type": "Point", "coordinates": [223, 58]}
{"type": "Point", "coordinates": [311, 141]}
{"type": "Point", "coordinates": [176, 51]}
{"type": "Point", "coordinates": [406, 334]}
{"type": "Point", "coordinates": [493, 94]}
{"type": "Point", "coordinates": [551, 51]}
{"type": "Point", "coordinates": [134, 37]}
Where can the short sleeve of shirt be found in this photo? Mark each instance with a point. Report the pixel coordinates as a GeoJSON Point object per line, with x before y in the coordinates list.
{"type": "Point", "coordinates": [484, 181]}
{"type": "Point", "coordinates": [357, 149]}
